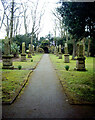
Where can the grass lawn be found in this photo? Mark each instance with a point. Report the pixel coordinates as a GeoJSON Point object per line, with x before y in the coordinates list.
{"type": "Point", "coordinates": [12, 80]}
{"type": "Point", "coordinates": [78, 85]}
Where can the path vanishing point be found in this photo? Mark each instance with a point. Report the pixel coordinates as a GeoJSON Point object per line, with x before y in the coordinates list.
{"type": "Point", "coordinates": [44, 97]}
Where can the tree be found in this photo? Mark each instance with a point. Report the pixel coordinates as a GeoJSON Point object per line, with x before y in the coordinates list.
{"type": "Point", "coordinates": [79, 19]}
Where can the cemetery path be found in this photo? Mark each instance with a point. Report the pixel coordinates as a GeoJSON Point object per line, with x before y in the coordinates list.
{"type": "Point", "coordinates": [44, 98]}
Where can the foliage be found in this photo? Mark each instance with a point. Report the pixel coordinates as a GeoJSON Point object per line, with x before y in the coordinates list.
{"type": "Point", "coordinates": [40, 50]}
{"type": "Point", "coordinates": [51, 49]}
{"type": "Point", "coordinates": [31, 60]}
{"type": "Point", "coordinates": [67, 67]}
{"type": "Point", "coordinates": [79, 19]}
{"type": "Point", "coordinates": [15, 49]}
{"type": "Point", "coordinates": [19, 67]}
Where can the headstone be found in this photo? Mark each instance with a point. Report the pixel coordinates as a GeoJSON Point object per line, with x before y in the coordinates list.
{"type": "Point", "coordinates": [23, 54]}
{"type": "Point", "coordinates": [66, 55]}
{"type": "Point", "coordinates": [60, 54]}
{"type": "Point", "coordinates": [7, 57]}
{"type": "Point", "coordinates": [29, 53]}
{"type": "Point", "coordinates": [80, 63]}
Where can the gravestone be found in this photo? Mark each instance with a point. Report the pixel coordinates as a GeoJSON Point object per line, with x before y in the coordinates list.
{"type": "Point", "coordinates": [29, 53]}
{"type": "Point", "coordinates": [23, 54]}
{"type": "Point", "coordinates": [7, 57]}
{"type": "Point", "coordinates": [60, 54]}
{"type": "Point", "coordinates": [80, 63]}
{"type": "Point", "coordinates": [66, 55]}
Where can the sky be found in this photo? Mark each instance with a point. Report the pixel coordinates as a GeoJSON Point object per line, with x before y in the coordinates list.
{"type": "Point", "coordinates": [47, 22]}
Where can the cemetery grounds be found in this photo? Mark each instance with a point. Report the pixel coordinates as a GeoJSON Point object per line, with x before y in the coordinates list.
{"type": "Point", "coordinates": [79, 86]}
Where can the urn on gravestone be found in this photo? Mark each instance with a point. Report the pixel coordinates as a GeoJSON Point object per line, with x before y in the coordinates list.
{"type": "Point", "coordinates": [29, 53]}
{"type": "Point", "coordinates": [66, 55]}
{"type": "Point", "coordinates": [80, 63]}
{"type": "Point", "coordinates": [60, 53]}
{"type": "Point", "coordinates": [23, 54]}
{"type": "Point", "coordinates": [7, 57]}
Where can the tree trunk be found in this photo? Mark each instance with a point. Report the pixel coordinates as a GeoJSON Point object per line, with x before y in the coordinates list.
{"type": "Point", "coordinates": [11, 24]}
{"type": "Point", "coordinates": [74, 50]}
{"type": "Point", "coordinates": [88, 51]}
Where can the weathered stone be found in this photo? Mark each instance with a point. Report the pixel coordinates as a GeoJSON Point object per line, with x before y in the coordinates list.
{"type": "Point", "coordinates": [23, 54]}
{"type": "Point", "coordinates": [7, 62]}
{"type": "Point", "coordinates": [80, 63]}
{"type": "Point", "coordinates": [66, 55]}
{"type": "Point", "coordinates": [66, 58]}
{"type": "Point", "coordinates": [7, 57]}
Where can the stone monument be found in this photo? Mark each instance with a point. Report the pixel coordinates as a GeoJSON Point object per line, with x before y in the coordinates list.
{"type": "Point", "coordinates": [60, 54]}
{"type": "Point", "coordinates": [23, 54]}
{"type": "Point", "coordinates": [66, 55]}
{"type": "Point", "coordinates": [7, 57]}
{"type": "Point", "coordinates": [29, 53]}
{"type": "Point", "coordinates": [80, 63]}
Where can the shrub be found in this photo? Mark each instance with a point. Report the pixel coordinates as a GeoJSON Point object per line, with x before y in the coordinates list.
{"type": "Point", "coordinates": [67, 67]}
{"type": "Point", "coordinates": [19, 67]}
{"type": "Point", "coordinates": [31, 60]}
{"type": "Point", "coordinates": [40, 50]}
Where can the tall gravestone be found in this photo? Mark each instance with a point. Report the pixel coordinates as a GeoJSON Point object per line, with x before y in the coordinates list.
{"type": "Point", "coordinates": [80, 63]}
{"type": "Point", "coordinates": [60, 53]}
{"type": "Point", "coordinates": [7, 57]}
{"type": "Point", "coordinates": [29, 53]}
{"type": "Point", "coordinates": [23, 54]}
{"type": "Point", "coordinates": [66, 55]}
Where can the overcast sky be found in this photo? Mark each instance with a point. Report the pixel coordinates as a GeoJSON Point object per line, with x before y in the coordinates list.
{"type": "Point", "coordinates": [47, 22]}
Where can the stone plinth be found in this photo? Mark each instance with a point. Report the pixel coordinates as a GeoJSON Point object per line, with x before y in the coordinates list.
{"type": "Point", "coordinates": [23, 57]}
{"type": "Point", "coordinates": [66, 58]}
{"type": "Point", "coordinates": [60, 55]}
{"type": "Point", "coordinates": [29, 55]}
{"type": "Point", "coordinates": [80, 64]}
{"type": "Point", "coordinates": [7, 62]}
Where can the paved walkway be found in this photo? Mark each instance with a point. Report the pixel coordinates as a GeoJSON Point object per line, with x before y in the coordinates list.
{"type": "Point", "coordinates": [45, 98]}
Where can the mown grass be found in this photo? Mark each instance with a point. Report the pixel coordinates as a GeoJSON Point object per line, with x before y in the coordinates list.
{"type": "Point", "coordinates": [79, 85]}
{"type": "Point", "coordinates": [12, 80]}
